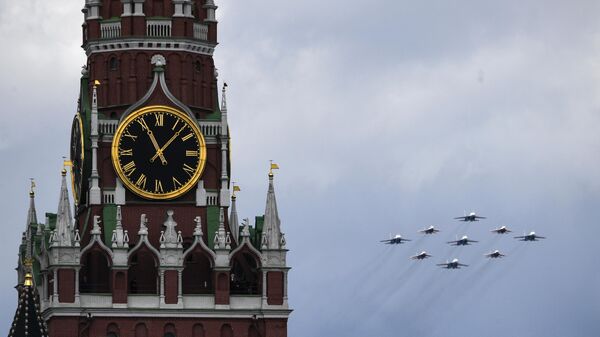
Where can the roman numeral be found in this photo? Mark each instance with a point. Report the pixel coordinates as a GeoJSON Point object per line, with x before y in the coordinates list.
{"type": "Point", "coordinates": [125, 152]}
{"type": "Point", "coordinates": [187, 137]}
{"type": "Point", "coordinates": [142, 122]}
{"type": "Point", "coordinates": [176, 183]}
{"type": "Point", "coordinates": [191, 153]}
{"type": "Point", "coordinates": [127, 134]}
{"type": "Point", "coordinates": [188, 169]}
{"type": "Point", "coordinates": [158, 186]}
{"type": "Point", "coordinates": [175, 125]}
{"type": "Point", "coordinates": [129, 168]}
{"type": "Point", "coordinates": [141, 182]}
{"type": "Point", "coordinates": [160, 119]}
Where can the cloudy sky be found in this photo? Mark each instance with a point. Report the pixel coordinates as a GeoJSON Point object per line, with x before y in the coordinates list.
{"type": "Point", "coordinates": [385, 117]}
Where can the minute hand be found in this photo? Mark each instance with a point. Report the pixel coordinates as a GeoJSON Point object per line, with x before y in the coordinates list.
{"type": "Point", "coordinates": [159, 152]}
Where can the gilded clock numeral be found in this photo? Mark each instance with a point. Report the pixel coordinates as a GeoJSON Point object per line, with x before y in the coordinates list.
{"type": "Point", "coordinates": [129, 135]}
{"type": "Point", "coordinates": [141, 182]}
{"type": "Point", "coordinates": [175, 125]}
{"type": "Point", "coordinates": [188, 169]}
{"type": "Point", "coordinates": [158, 188]}
{"type": "Point", "coordinates": [142, 122]}
{"type": "Point", "coordinates": [191, 153]}
{"type": "Point", "coordinates": [160, 119]}
{"type": "Point", "coordinates": [129, 168]}
{"type": "Point", "coordinates": [176, 183]}
{"type": "Point", "coordinates": [125, 152]}
{"type": "Point", "coordinates": [187, 137]}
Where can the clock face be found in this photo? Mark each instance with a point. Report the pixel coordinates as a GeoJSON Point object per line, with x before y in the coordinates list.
{"type": "Point", "coordinates": [77, 158]}
{"type": "Point", "coordinates": [158, 152]}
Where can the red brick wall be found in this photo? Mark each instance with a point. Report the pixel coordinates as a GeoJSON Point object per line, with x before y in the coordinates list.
{"type": "Point", "coordinates": [275, 288]}
{"type": "Point", "coordinates": [66, 285]}
{"type": "Point", "coordinates": [171, 286]}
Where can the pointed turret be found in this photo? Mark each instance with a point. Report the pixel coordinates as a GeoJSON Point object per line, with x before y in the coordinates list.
{"type": "Point", "coordinates": [64, 222]}
{"type": "Point", "coordinates": [233, 217]}
{"type": "Point", "coordinates": [272, 224]}
{"type": "Point", "coordinates": [28, 320]}
{"type": "Point", "coordinates": [31, 213]}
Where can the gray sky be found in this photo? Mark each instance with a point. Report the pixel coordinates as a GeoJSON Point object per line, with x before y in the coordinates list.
{"type": "Point", "coordinates": [385, 117]}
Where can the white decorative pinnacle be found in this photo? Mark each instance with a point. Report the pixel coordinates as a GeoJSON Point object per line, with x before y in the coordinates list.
{"type": "Point", "coordinates": [77, 238]}
{"type": "Point", "coordinates": [64, 225]}
{"type": "Point", "coordinates": [143, 225]}
{"type": "Point", "coordinates": [158, 60]}
{"type": "Point", "coordinates": [264, 242]}
{"type": "Point", "coordinates": [282, 242]}
{"type": "Point", "coordinates": [96, 229]}
{"type": "Point", "coordinates": [169, 235]}
{"type": "Point", "coordinates": [198, 228]}
{"type": "Point", "coordinates": [272, 224]}
{"type": "Point", "coordinates": [221, 235]}
{"type": "Point", "coordinates": [246, 228]}
{"type": "Point", "coordinates": [118, 238]}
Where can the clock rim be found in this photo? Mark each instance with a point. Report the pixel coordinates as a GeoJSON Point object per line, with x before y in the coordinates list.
{"type": "Point", "coordinates": [115, 153]}
{"type": "Point", "coordinates": [76, 196]}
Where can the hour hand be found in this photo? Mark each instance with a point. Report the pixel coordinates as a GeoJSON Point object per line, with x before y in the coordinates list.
{"type": "Point", "coordinates": [159, 152]}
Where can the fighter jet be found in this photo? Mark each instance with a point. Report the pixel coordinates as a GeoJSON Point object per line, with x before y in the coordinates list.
{"type": "Point", "coordinates": [470, 218]}
{"type": "Point", "coordinates": [398, 239]}
{"type": "Point", "coordinates": [501, 230]}
{"type": "Point", "coordinates": [529, 237]}
{"type": "Point", "coordinates": [421, 256]}
{"type": "Point", "coordinates": [429, 230]}
{"type": "Point", "coordinates": [494, 255]}
{"type": "Point", "coordinates": [464, 241]}
{"type": "Point", "coordinates": [452, 265]}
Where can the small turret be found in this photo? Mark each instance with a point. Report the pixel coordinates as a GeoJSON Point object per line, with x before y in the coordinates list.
{"type": "Point", "coordinates": [272, 225]}
{"type": "Point", "coordinates": [64, 219]}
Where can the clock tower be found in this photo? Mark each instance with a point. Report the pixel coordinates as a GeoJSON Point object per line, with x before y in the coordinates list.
{"type": "Point", "coordinates": [152, 245]}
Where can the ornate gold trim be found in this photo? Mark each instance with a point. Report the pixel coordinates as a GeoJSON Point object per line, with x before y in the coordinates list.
{"type": "Point", "coordinates": [115, 151]}
{"type": "Point", "coordinates": [81, 132]}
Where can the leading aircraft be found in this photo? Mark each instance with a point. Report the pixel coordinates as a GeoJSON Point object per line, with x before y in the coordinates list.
{"type": "Point", "coordinates": [501, 230]}
{"type": "Point", "coordinates": [464, 241]}
{"type": "Point", "coordinates": [529, 237]}
{"type": "Point", "coordinates": [495, 254]}
{"type": "Point", "coordinates": [470, 218]}
{"type": "Point", "coordinates": [429, 230]}
{"type": "Point", "coordinates": [398, 239]}
{"type": "Point", "coordinates": [421, 256]}
{"type": "Point", "coordinates": [454, 264]}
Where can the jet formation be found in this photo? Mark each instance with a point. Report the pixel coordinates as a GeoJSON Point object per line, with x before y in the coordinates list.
{"type": "Point", "coordinates": [463, 241]}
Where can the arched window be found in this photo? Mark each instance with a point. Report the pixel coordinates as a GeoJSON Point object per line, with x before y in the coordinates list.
{"type": "Point", "coordinates": [94, 275]}
{"type": "Point", "coordinates": [141, 330]}
{"type": "Point", "coordinates": [112, 330]}
{"type": "Point", "coordinates": [113, 63]}
{"type": "Point", "coordinates": [226, 331]}
{"type": "Point", "coordinates": [198, 330]}
{"type": "Point", "coordinates": [143, 273]}
{"type": "Point", "coordinates": [197, 274]}
{"type": "Point", "coordinates": [170, 331]}
{"type": "Point", "coordinates": [245, 276]}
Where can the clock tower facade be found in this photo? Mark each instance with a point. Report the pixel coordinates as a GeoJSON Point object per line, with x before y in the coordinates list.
{"type": "Point", "coordinates": [152, 245]}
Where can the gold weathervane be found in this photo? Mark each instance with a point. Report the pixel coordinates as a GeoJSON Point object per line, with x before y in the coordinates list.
{"type": "Point", "coordinates": [273, 167]}
{"type": "Point", "coordinates": [236, 188]}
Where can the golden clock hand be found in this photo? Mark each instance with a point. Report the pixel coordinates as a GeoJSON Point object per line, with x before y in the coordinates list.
{"type": "Point", "coordinates": [159, 152]}
{"type": "Point", "coordinates": [167, 144]}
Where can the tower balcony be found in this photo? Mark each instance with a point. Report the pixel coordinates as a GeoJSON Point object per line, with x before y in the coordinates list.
{"type": "Point", "coordinates": [200, 31]}
{"type": "Point", "coordinates": [110, 30]}
{"type": "Point", "coordinates": [158, 28]}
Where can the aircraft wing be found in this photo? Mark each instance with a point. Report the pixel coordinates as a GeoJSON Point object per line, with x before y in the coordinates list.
{"type": "Point", "coordinates": [540, 237]}
{"type": "Point", "coordinates": [461, 218]}
{"type": "Point", "coordinates": [386, 241]}
{"type": "Point", "coordinates": [452, 242]}
{"type": "Point", "coordinates": [520, 237]}
{"type": "Point", "coordinates": [480, 217]}
{"type": "Point", "coordinates": [472, 241]}
{"type": "Point", "coordinates": [462, 265]}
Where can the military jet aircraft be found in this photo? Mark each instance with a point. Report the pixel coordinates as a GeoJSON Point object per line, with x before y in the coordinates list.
{"type": "Point", "coordinates": [529, 237]}
{"type": "Point", "coordinates": [454, 264]}
{"type": "Point", "coordinates": [429, 230]}
{"type": "Point", "coordinates": [398, 239]}
{"type": "Point", "coordinates": [494, 255]}
{"type": "Point", "coordinates": [501, 230]}
{"type": "Point", "coordinates": [464, 241]}
{"type": "Point", "coordinates": [421, 256]}
{"type": "Point", "coordinates": [470, 218]}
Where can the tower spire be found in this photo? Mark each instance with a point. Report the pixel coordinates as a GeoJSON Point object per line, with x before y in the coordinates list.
{"type": "Point", "coordinates": [233, 216]}
{"type": "Point", "coordinates": [31, 214]}
{"type": "Point", "coordinates": [272, 224]}
{"type": "Point", "coordinates": [95, 187]}
{"type": "Point", "coordinates": [64, 223]}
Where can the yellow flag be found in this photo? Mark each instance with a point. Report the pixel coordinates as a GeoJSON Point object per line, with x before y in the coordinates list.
{"type": "Point", "coordinates": [96, 83]}
{"type": "Point", "coordinates": [236, 188]}
{"type": "Point", "coordinates": [68, 163]}
{"type": "Point", "coordinates": [274, 166]}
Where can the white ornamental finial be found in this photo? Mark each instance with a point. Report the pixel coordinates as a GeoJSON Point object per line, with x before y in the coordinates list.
{"type": "Point", "coordinates": [143, 225]}
{"type": "Point", "coordinates": [198, 228]}
{"type": "Point", "coordinates": [246, 228]}
{"type": "Point", "coordinates": [96, 230]}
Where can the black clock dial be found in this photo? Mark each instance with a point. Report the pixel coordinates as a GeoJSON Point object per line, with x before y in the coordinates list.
{"type": "Point", "coordinates": [159, 153]}
{"type": "Point", "coordinates": [77, 158]}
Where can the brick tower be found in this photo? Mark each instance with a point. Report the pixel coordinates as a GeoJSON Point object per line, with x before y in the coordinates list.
{"type": "Point", "coordinates": [153, 246]}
